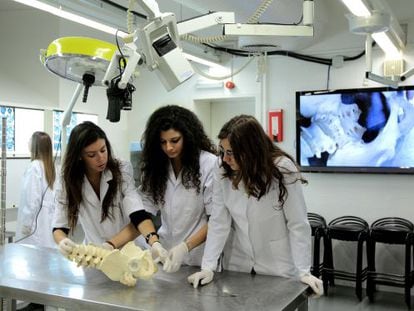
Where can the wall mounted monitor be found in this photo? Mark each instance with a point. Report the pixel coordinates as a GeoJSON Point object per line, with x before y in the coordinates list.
{"type": "Point", "coordinates": [366, 130]}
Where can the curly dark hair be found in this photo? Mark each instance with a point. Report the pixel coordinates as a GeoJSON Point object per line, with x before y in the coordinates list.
{"type": "Point", "coordinates": [74, 170]}
{"type": "Point", "coordinates": [154, 163]}
{"type": "Point", "coordinates": [255, 153]}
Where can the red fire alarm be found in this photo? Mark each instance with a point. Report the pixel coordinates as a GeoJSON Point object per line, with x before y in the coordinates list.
{"type": "Point", "coordinates": [275, 125]}
{"type": "Point", "coordinates": [230, 85]}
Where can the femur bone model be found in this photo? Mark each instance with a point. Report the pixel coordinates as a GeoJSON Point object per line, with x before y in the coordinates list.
{"type": "Point", "coordinates": [125, 265]}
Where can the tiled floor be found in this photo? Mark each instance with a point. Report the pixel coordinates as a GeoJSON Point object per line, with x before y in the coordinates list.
{"type": "Point", "coordinates": [344, 299]}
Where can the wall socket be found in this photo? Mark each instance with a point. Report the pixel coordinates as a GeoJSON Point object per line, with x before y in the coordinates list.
{"type": "Point", "coordinates": [393, 67]}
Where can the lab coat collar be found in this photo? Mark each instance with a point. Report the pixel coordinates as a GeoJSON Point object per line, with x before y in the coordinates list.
{"type": "Point", "coordinates": [104, 186]}
{"type": "Point", "coordinates": [171, 174]}
{"type": "Point", "coordinates": [106, 176]}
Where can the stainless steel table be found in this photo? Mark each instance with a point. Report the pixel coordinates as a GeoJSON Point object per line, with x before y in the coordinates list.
{"type": "Point", "coordinates": [44, 276]}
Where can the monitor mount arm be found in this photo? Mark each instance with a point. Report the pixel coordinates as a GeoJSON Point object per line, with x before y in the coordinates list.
{"type": "Point", "coordinates": [392, 82]}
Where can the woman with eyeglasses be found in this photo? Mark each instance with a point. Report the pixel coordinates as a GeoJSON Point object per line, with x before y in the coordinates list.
{"type": "Point", "coordinates": [258, 208]}
{"type": "Point", "coordinates": [177, 164]}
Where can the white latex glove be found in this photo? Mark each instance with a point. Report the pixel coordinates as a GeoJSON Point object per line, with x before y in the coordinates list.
{"type": "Point", "coordinates": [175, 257]}
{"type": "Point", "coordinates": [107, 246]}
{"type": "Point", "coordinates": [205, 276]}
{"type": "Point", "coordinates": [159, 253]}
{"type": "Point", "coordinates": [315, 283]}
{"type": "Point", "coordinates": [66, 246]}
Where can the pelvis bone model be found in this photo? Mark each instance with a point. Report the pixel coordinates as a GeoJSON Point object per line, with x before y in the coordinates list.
{"type": "Point", "coordinates": [125, 265]}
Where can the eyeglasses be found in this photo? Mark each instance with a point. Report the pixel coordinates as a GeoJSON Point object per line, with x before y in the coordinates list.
{"type": "Point", "coordinates": [223, 152]}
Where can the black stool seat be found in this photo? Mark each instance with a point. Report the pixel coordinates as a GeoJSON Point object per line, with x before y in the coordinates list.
{"type": "Point", "coordinates": [391, 230]}
{"type": "Point", "coordinates": [346, 233]}
{"type": "Point", "coordinates": [345, 228]}
{"type": "Point", "coordinates": [318, 226]}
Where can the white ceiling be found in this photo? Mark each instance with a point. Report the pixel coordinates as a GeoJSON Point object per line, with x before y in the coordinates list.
{"type": "Point", "coordinates": [331, 32]}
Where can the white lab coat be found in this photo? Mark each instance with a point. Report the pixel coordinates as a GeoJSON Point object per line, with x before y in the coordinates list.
{"type": "Point", "coordinates": [97, 232]}
{"type": "Point", "coordinates": [36, 209]}
{"type": "Point", "coordinates": [185, 211]}
{"type": "Point", "coordinates": [261, 234]}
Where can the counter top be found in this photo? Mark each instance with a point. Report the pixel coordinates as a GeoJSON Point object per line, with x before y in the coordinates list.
{"type": "Point", "coordinates": [44, 276]}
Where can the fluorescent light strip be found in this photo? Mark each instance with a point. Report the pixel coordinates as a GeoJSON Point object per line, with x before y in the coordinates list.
{"type": "Point", "coordinates": [72, 17]}
{"type": "Point", "coordinates": [357, 7]}
{"type": "Point", "coordinates": [384, 41]}
{"type": "Point", "coordinates": [96, 25]}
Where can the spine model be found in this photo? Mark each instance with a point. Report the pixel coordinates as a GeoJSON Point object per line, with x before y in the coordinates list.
{"type": "Point", "coordinates": [125, 265]}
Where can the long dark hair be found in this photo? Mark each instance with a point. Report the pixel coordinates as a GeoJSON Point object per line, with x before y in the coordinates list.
{"type": "Point", "coordinates": [256, 155]}
{"type": "Point", "coordinates": [155, 162]}
{"type": "Point", "coordinates": [74, 170]}
{"type": "Point", "coordinates": [41, 149]}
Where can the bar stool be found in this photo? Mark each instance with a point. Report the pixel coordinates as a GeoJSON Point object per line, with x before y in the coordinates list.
{"type": "Point", "coordinates": [318, 226]}
{"type": "Point", "coordinates": [345, 228]}
{"type": "Point", "coordinates": [391, 230]}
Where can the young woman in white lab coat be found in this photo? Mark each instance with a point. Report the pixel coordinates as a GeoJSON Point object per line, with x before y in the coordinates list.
{"type": "Point", "coordinates": [177, 164]}
{"type": "Point", "coordinates": [98, 191]}
{"type": "Point", "coordinates": [37, 205]}
{"type": "Point", "coordinates": [258, 208]}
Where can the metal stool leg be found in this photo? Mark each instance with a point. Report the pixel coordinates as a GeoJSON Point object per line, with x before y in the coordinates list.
{"type": "Point", "coordinates": [407, 279]}
{"type": "Point", "coordinates": [316, 251]}
{"type": "Point", "coordinates": [358, 281]}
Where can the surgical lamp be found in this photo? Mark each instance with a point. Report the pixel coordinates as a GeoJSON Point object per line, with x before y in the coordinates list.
{"type": "Point", "coordinates": [156, 44]}
{"type": "Point", "coordinates": [79, 59]}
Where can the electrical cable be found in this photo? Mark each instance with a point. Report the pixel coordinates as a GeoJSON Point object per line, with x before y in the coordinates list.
{"type": "Point", "coordinates": [121, 59]}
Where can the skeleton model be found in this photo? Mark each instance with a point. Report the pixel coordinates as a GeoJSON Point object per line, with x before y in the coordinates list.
{"type": "Point", "coordinates": [125, 265]}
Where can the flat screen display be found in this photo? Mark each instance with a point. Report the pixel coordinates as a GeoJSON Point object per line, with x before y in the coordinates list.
{"type": "Point", "coordinates": [367, 130]}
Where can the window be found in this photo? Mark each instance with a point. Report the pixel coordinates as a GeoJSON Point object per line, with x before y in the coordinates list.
{"type": "Point", "coordinates": [22, 122]}
{"type": "Point", "coordinates": [76, 119]}
{"type": "Point", "coordinates": [27, 122]}
{"type": "Point", "coordinates": [20, 125]}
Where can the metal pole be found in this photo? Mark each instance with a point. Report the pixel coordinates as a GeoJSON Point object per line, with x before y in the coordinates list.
{"type": "Point", "coordinates": [3, 194]}
{"type": "Point", "coordinates": [3, 183]}
{"type": "Point", "coordinates": [67, 116]}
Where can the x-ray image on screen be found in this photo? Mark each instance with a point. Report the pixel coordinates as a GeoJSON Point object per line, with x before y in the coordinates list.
{"type": "Point", "coordinates": [364, 130]}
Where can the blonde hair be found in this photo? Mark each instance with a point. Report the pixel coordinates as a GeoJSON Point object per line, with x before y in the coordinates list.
{"type": "Point", "coordinates": [41, 149]}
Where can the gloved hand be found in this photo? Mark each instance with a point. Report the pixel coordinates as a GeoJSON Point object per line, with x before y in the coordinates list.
{"type": "Point", "coordinates": [205, 276]}
{"type": "Point", "coordinates": [66, 246]}
{"type": "Point", "coordinates": [159, 253]}
{"type": "Point", "coordinates": [107, 246]}
{"type": "Point", "coordinates": [315, 283]}
{"type": "Point", "coordinates": [175, 257]}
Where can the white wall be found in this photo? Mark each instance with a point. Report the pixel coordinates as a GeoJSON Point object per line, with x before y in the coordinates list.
{"type": "Point", "coordinates": [332, 195]}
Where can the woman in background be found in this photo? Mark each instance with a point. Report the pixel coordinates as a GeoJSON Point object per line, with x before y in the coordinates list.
{"type": "Point", "coordinates": [98, 191]}
{"type": "Point", "coordinates": [258, 208]}
{"type": "Point", "coordinates": [177, 163]}
{"type": "Point", "coordinates": [37, 204]}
